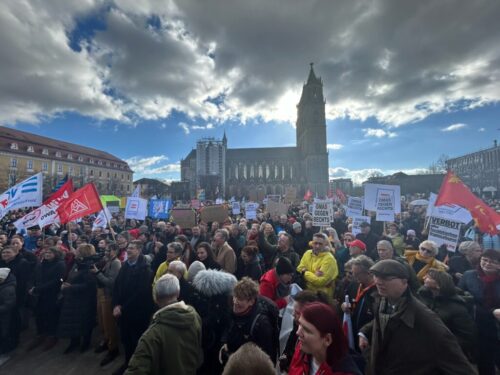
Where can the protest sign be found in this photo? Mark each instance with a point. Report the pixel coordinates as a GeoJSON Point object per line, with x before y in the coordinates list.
{"type": "Point", "coordinates": [213, 213]}
{"type": "Point", "coordinates": [195, 203]}
{"type": "Point", "coordinates": [444, 232]}
{"type": "Point", "coordinates": [447, 211]}
{"type": "Point", "coordinates": [354, 207]}
{"type": "Point", "coordinates": [375, 191]}
{"type": "Point", "coordinates": [290, 195]}
{"type": "Point", "coordinates": [159, 208]}
{"type": "Point", "coordinates": [385, 205]}
{"type": "Point", "coordinates": [356, 222]}
{"type": "Point", "coordinates": [136, 208]}
{"type": "Point", "coordinates": [185, 218]}
{"type": "Point", "coordinates": [276, 208]}
{"type": "Point", "coordinates": [274, 198]}
{"type": "Point", "coordinates": [322, 213]}
{"type": "Point", "coordinates": [235, 207]}
{"type": "Point", "coordinates": [251, 210]}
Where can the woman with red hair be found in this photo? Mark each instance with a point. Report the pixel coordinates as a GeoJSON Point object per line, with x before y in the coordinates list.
{"type": "Point", "coordinates": [322, 346]}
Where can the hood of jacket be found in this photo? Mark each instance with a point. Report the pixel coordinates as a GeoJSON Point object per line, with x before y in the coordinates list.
{"type": "Point", "coordinates": [212, 282]}
{"type": "Point", "coordinates": [177, 315]}
{"type": "Point", "coordinates": [271, 277]}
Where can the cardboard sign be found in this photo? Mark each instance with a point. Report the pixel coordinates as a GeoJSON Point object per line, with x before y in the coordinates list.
{"type": "Point", "coordinates": [290, 195]}
{"type": "Point", "coordinates": [356, 222]}
{"type": "Point", "coordinates": [276, 208]}
{"type": "Point", "coordinates": [322, 213]}
{"type": "Point", "coordinates": [354, 207]}
{"type": "Point", "coordinates": [185, 218]}
{"type": "Point", "coordinates": [251, 210]}
{"type": "Point", "coordinates": [214, 213]}
{"type": "Point", "coordinates": [444, 232]}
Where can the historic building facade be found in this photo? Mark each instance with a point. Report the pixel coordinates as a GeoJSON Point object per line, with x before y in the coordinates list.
{"type": "Point", "coordinates": [256, 172]}
{"type": "Point", "coordinates": [23, 154]}
{"type": "Point", "coordinates": [480, 170]}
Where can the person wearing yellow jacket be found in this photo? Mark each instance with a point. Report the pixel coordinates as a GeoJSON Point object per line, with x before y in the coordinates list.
{"type": "Point", "coordinates": [318, 266]}
{"type": "Point", "coordinates": [174, 252]}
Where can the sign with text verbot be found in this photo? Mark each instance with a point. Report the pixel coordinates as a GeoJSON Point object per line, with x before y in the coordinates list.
{"type": "Point", "coordinates": [322, 213]}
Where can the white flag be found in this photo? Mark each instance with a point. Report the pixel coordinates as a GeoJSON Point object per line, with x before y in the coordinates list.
{"type": "Point", "coordinates": [101, 221]}
{"type": "Point", "coordinates": [137, 192]}
{"type": "Point", "coordinates": [28, 193]}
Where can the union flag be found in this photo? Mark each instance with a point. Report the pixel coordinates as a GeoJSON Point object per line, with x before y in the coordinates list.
{"type": "Point", "coordinates": [82, 202]}
{"type": "Point", "coordinates": [454, 191]}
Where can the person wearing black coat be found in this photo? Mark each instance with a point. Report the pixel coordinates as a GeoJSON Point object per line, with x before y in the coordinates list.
{"type": "Point", "coordinates": [132, 299]}
{"type": "Point", "coordinates": [211, 300]}
{"type": "Point", "coordinates": [79, 301]}
{"type": "Point", "coordinates": [8, 342]}
{"type": "Point", "coordinates": [249, 265]}
{"type": "Point", "coordinates": [48, 276]}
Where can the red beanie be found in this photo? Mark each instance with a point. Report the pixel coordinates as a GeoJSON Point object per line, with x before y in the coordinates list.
{"type": "Point", "coordinates": [358, 243]}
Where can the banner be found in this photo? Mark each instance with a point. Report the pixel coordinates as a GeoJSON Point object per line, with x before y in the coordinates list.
{"type": "Point", "coordinates": [101, 221]}
{"type": "Point", "coordinates": [354, 207]}
{"type": "Point", "coordinates": [276, 208]}
{"type": "Point", "coordinates": [159, 208]}
{"type": "Point", "coordinates": [322, 213]}
{"type": "Point", "coordinates": [251, 210]}
{"type": "Point", "coordinates": [356, 222]}
{"type": "Point", "coordinates": [28, 193]}
{"type": "Point", "coordinates": [447, 211]}
{"type": "Point", "coordinates": [84, 201]}
{"type": "Point", "coordinates": [136, 208]}
{"type": "Point", "coordinates": [185, 218]}
{"type": "Point", "coordinates": [444, 232]}
{"type": "Point", "coordinates": [235, 207]}
{"type": "Point", "coordinates": [213, 213]}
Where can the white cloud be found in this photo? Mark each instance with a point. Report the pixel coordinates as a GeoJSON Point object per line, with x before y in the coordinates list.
{"type": "Point", "coordinates": [481, 129]}
{"type": "Point", "coordinates": [153, 57]}
{"type": "Point", "coordinates": [167, 168]}
{"type": "Point", "coordinates": [360, 175]}
{"type": "Point", "coordinates": [184, 127]}
{"type": "Point", "coordinates": [140, 164]}
{"type": "Point", "coordinates": [378, 133]}
{"type": "Point", "coordinates": [202, 127]}
{"type": "Point", "coordinates": [334, 146]}
{"type": "Point", "coordinates": [453, 127]}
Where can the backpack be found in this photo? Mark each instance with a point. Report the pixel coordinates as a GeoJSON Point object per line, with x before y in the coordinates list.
{"type": "Point", "coordinates": [266, 307]}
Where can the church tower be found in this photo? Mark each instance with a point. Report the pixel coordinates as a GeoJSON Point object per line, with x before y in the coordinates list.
{"type": "Point", "coordinates": [311, 134]}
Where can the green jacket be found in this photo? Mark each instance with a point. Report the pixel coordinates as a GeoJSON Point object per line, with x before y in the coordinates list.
{"type": "Point", "coordinates": [171, 344]}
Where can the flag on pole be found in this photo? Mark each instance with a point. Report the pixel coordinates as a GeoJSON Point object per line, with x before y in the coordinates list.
{"type": "Point", "coordinates": [101, 221]}
{"type": "Point", "coordinates": [82, 202]}
{"type": "Point", "coordinates": [27, 193]}
{"type": "Point", "coordinates": [60, 183]}
{"type": "Point", "coordinates": [137, 192]}
{"type": "Point", "coordinates": [308, 195]}
{"type": "Point", "coordinates": [341, 196]}
{"type": "Point", "coordinates": [454, 191]}
{"type": "Point", "coordinates": [347, 326]}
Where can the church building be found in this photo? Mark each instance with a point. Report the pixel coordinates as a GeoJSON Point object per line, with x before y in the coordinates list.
{"type": "Point", "coordinates": [254, 173]}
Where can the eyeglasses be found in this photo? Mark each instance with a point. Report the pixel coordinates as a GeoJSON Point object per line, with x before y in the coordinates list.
{"type": "Point", "coordinates": [426, 250]}
{"type": "Point", "coordinates": [489, 261]}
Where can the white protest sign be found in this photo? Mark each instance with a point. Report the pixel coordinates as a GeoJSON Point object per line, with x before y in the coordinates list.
{"type": "Point", "coordinates": [235, 207]}
{"type": "Point", "coordinates": [354, 207]}
{"type": "Point", "coordinates": [447, 211]}
{"type": "Point", "coordinates": [137, 208]}
{"type": "Point", "coordinates": [251, 210]}
{"type": "Point", "coordinates": [385, 205]}
{"type": "Point", "coordinates": [356, 222]}
{"type": "Point", "coordinates": [444, 232]}
{"type": "Point", "coordinates": [375, 191]}
{"type": "Point", "coordinates": [322, 213]}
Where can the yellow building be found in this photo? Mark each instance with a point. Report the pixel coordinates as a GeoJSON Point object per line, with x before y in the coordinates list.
{"type": "Point", "coordinates": [24, 154]}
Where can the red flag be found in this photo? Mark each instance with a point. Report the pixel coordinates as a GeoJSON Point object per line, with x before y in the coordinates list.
{"type": "Point", "coordinates": [308, 195]}
{"type": "Point", "coordinates": [62, 193]}
{"type": "Point", "coordinates": [341, 196]}
{"type": "Point", "coordinates": [82, 202]}
{"type": "Point", "coordinates": [454, 191]}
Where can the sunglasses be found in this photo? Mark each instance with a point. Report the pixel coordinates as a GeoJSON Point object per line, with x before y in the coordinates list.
{"type": "Point", "coordinates": [426, 250]}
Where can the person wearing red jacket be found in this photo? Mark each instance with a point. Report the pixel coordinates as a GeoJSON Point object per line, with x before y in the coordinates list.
{"type": "Point", "coordinates": [275, 283]}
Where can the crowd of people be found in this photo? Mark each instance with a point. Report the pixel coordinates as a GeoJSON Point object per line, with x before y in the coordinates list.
{"type": "Point", "coordinates": [211, 299]}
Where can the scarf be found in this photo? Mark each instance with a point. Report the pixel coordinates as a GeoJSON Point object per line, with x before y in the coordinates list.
{"type": "Point", "coordinates": [491, 300]}
{"type": "Point", "coordinates": [429, 263]}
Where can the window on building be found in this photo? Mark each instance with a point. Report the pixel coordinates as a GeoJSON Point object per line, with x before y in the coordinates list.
{"type": "Point", "coordinates": [58, 154]}
{"type": "Point", "coordinates": [91, 161]}
{"type": "Point", "coordinates": [128, 188]}
{"type": "Point", "coordinates": [45, 151]}
{"type": "Point", "coordinates": [31, 149]}
{"type": "Point", "coordinates": [108, 174]}
{"type": "Point", "coordinates": [13, 163]}
{"type": "Point", "coordinates": [252, 170]}
{"type": "Point", "coordinates": [71, 170]}
{"type": "Point", "coordinates": [261, 173]}
{"type": "Point", "coordinates": [81, 171]}
{"type": "Point", "coordinates": [267, 171]}
{"type": "Point", "coordinates": [29, 165]}
{"type": "Point", "coordinates": [80, 158]}
{"type": "Point", "coordinates": [14, 146]}
{"type": "Point", "coordinates": [91, 172]}
{"type": "Point", "coordinates": [59, 168]}
{"type": "Point", "coordinates": [122, 176]}
{"type": "Point", "coordinates": [45, 166]}
{"type": "Point", "coordinates": [70, 157]}
{"type": "Point", "coordinates": [236, 172]}
{"type": "Point", "coordinates": [99, 162]}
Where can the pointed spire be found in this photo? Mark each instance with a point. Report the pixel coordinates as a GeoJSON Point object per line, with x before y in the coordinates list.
{"type": "Point", "coordinates": [224, 138]}
{"type": "Point", "coordinates": [312, 77]}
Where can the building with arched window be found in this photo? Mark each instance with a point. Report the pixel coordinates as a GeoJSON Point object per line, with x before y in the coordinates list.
{"type": "Point", "coordinates": [254, 173]}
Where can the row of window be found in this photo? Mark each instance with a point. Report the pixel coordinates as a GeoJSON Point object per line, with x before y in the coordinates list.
{"type": "Point", "coordinates": [59, 169]}
{"type": "Point", "coordinates": [278, 172]}
{"type": "Point", "coordinates": [58, 154]}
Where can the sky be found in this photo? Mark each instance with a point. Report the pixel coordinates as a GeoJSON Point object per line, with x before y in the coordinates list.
{"type": "Point", "coordinates": [405, 81]}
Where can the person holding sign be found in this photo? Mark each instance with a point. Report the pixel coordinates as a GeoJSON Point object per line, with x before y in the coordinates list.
{"type": "Point", "coordinates": [318, 266]}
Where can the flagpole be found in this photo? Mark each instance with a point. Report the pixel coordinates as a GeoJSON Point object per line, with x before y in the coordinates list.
{"type": "Point", "coordinates": [109, 224]}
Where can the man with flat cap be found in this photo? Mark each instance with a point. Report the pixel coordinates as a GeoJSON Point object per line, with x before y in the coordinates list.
{"type": "Point", "coordinates": [405, 337]}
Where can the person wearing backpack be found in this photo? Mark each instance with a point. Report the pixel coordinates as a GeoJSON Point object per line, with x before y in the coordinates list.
{"type": "Point", "coordinates": [254, 319]}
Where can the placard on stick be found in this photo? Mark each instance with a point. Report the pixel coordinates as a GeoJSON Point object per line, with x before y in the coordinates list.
{"type": "Point", "coordinates": [185, 218]}
{"type": "Point", "coordinates": [214, 213]}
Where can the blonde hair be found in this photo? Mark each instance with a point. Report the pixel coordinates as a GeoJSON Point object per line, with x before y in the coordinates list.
{"type": "Point", "coordinates": [246, 289]}
{"type": "Point", "coordinates": [85, 250]}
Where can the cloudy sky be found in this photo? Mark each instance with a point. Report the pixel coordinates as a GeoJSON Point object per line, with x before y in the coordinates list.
{"type": "Point", "coordinates": [404, 81]}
